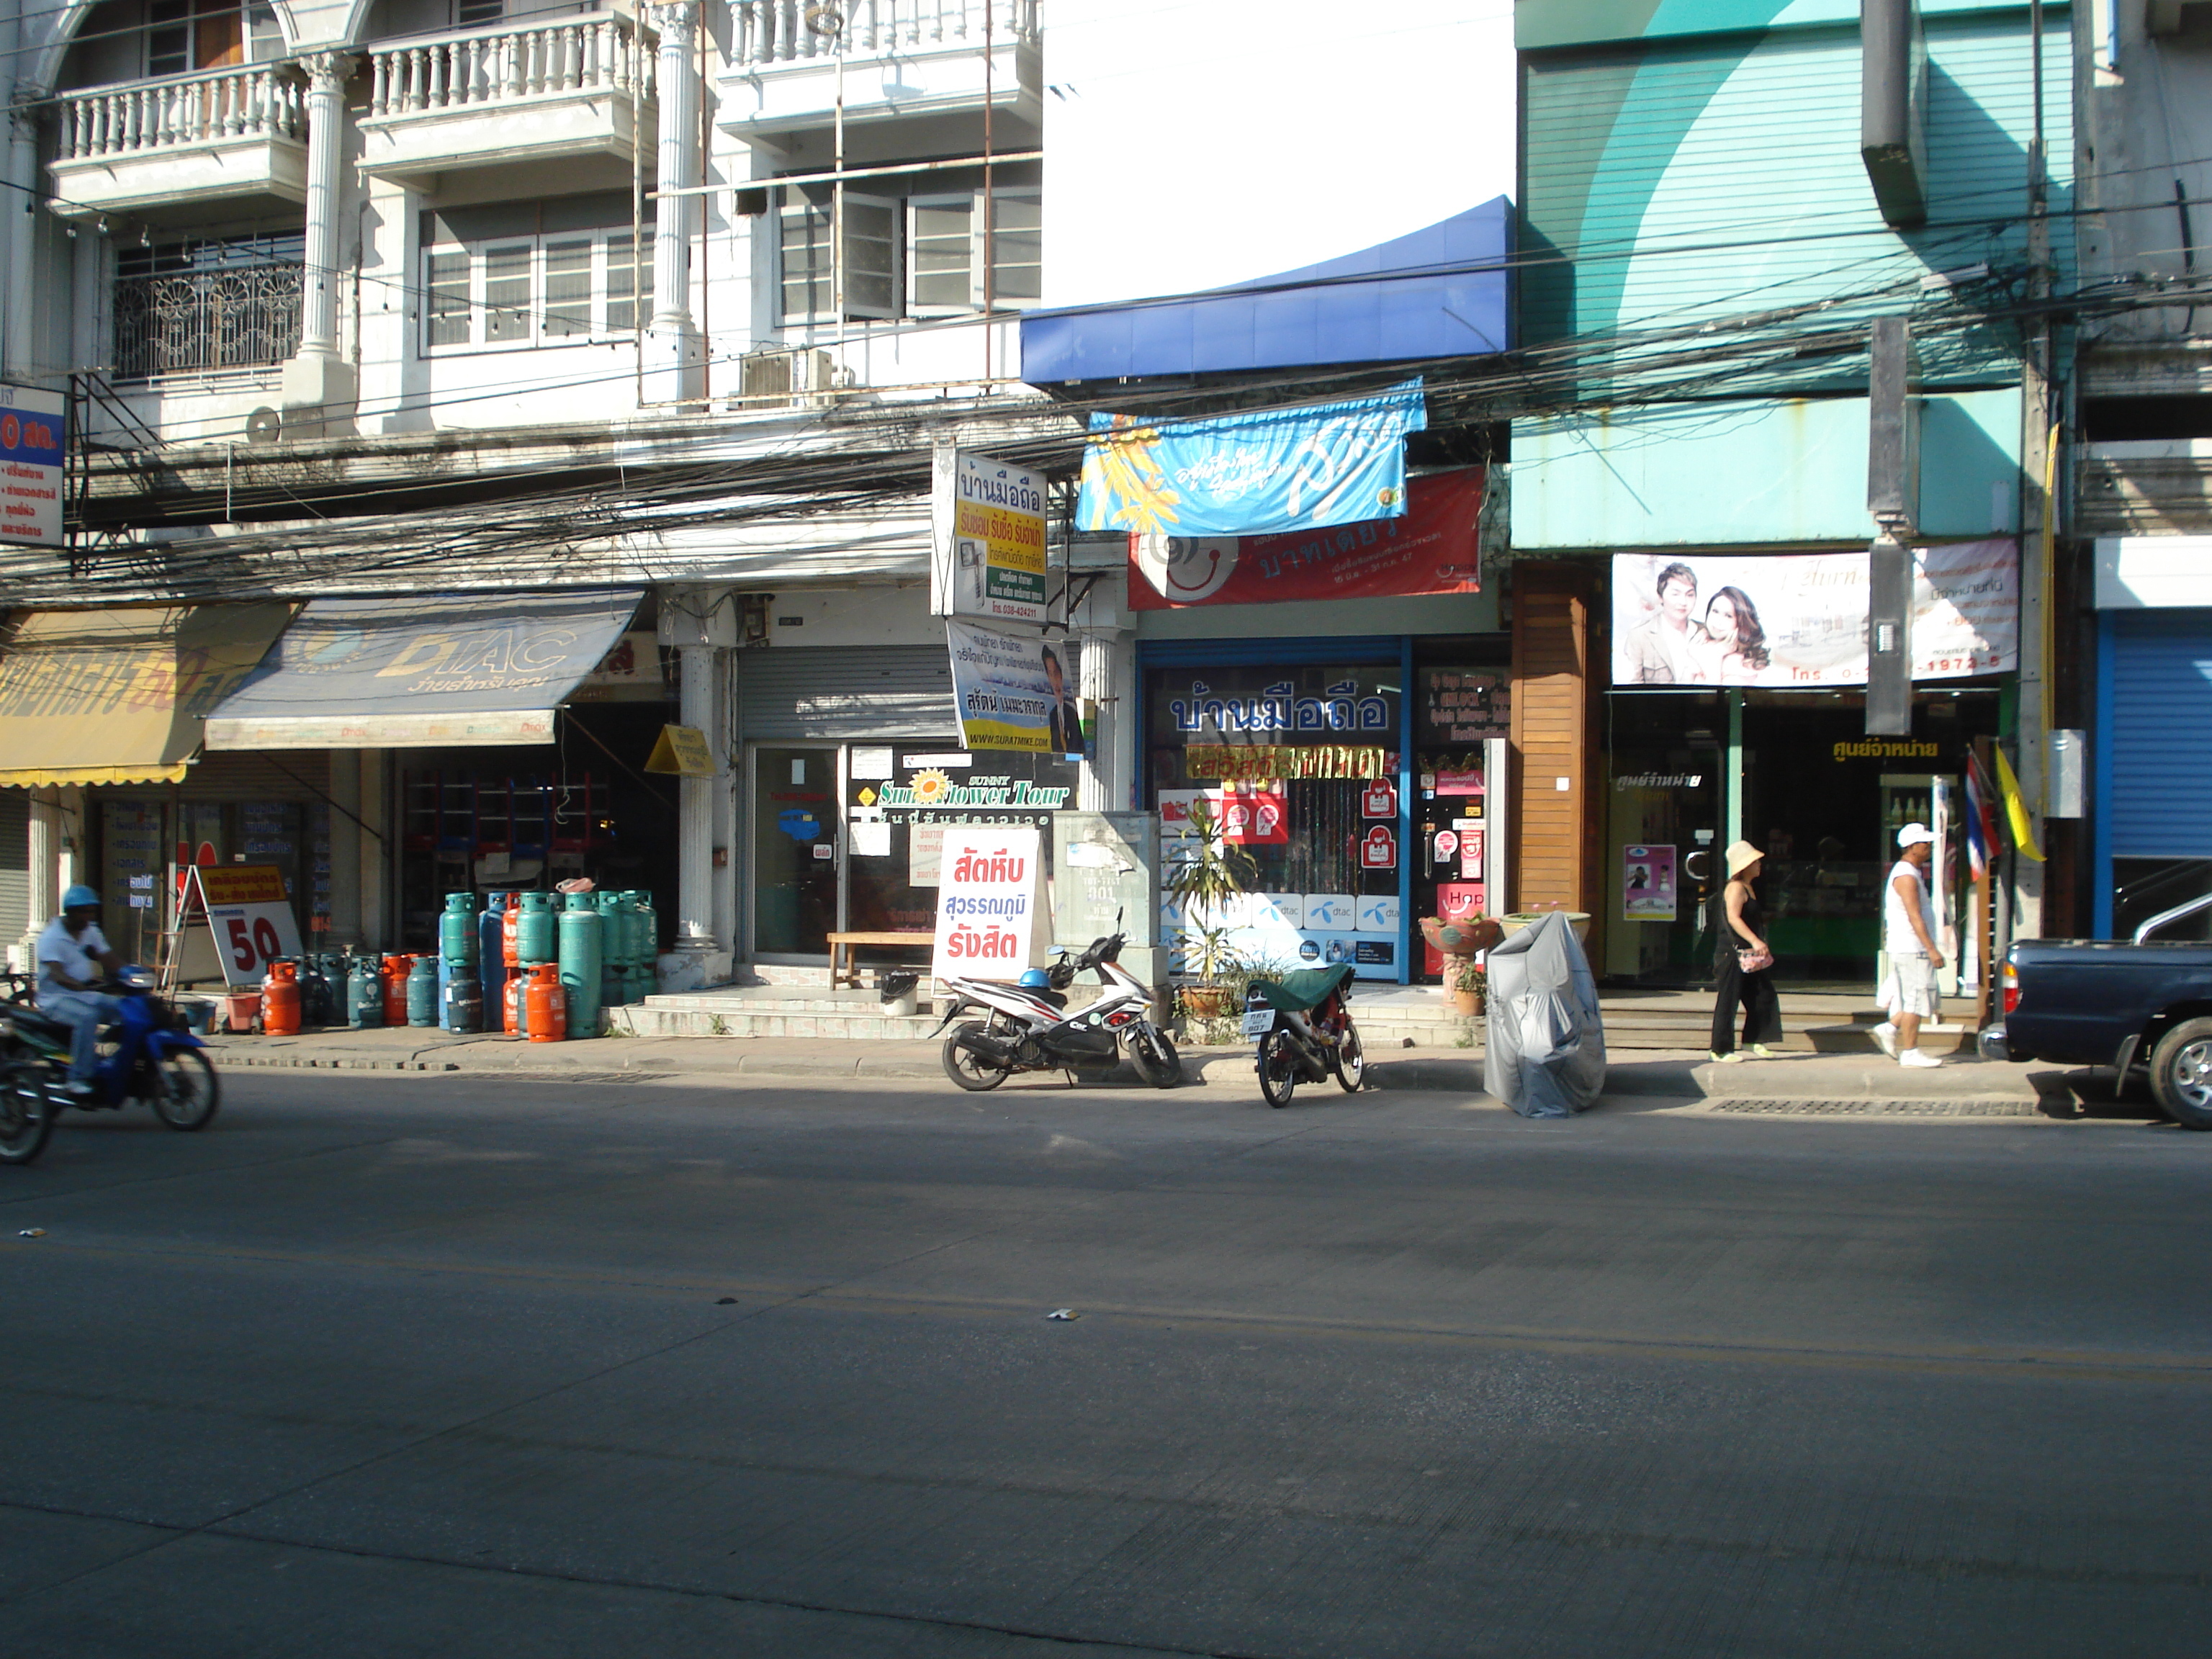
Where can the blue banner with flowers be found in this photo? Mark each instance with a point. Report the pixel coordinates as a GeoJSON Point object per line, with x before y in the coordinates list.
{"type": "Point", "coordinates": [1266, 473]}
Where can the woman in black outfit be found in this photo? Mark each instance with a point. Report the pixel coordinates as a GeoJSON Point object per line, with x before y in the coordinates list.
{"type": "Point", "coordinates": [1739, 925]}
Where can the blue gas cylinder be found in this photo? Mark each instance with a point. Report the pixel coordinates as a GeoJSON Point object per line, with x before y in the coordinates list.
{"type": "Point", "coordinates": [364, 994]}
{"type": "Point", "coordinates": [580, 969]}
{"type": "Point", "coordinates": [422, 993]}
{"type": "Point", "coordinates": [533, 934]}
{"type": "Point", "coordinates": [614, 930]}
{"type": "Point", "coordinates": [491, 948]}
{"type": "Point", "coordinates": [457, 930]}
{"type": "Point", "coordinates": [463, 1006]}
{"type": "Point", "coordinates": [648, 930]}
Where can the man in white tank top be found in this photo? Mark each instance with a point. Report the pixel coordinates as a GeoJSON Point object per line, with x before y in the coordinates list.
{"type": "Point", "coordinates": [1909, 993]}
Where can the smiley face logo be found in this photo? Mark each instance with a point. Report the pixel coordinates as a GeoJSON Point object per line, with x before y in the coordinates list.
{"type": "Point", "coordinates": [1185, 569]}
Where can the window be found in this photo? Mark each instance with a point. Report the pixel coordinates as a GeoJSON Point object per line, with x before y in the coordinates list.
{"type": "Point", "coordinates": [473, 14]}
{"type": "Point", "coordinates": [546, 290]}
{"type": "Point", "coordinates": [947, 263]}
{"type": "Point", "coordinates": [185, 36]}
{"type": "Point", "coordinates": [228, 303]}
{"type": "Point", "coordinates": [871, 263]}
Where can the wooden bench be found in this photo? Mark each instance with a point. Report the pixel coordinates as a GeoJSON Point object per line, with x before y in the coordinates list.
{"type": "Point", "coordinates": [844, 968]}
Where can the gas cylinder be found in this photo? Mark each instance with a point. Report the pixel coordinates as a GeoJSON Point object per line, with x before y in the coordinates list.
{"type": "Point", "coordinates": [580, 969]}
{"type": "Point", "coordinates": [396, 968]}
{"type": "Point", "coordinates": [491, 960]}
{"type": "Point", "coordinates": [422, 993]}
{"type": "Point", "coordinates": [533, 932]}
{"type": "Point", "coordinates": [614, 929]}
{"type": "Point", "coordinates": [463, 1003]}
{"type": "Point", "coordinates": [648, 930]}
{"type": "Point", "coordinates": [364, 994]}
{"type": "Point", "coordinates": [457, 931]}
{"type": "Point", "coordinates": [280, 999]}
{"type": "Point", "coordinates": [508, 942]}
{"type": "Point", "coordinates": [511, 1005]}
{"type": "Point", "coordinates": [315, 991]}
{"type": "Point", "coordinates": [545, 1006]}
{"type": "Point", "coordinates": [610, 985]}
{"type": "Point", "coordinates": [637, 983]}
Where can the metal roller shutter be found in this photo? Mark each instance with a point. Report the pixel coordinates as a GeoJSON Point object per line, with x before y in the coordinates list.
{"type": "Point", "coordinates": [799, 695]}
{"type": "Point", "coordinates": [14, 865]}
{"type": "Point", "coordinates": [2161, 725]}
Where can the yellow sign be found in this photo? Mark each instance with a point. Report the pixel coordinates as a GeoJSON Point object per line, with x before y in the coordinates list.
{"type": "Point", "coordinates": [988, 527]}
{"type": "Point", "coordinates": [682, 749]}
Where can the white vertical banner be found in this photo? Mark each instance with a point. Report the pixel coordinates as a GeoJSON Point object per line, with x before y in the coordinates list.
{"type": "Point", "coordinates": [990, 881]}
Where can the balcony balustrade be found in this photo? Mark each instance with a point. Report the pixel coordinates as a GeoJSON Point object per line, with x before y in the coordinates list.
{"type": "Point", "coordinates": [172, 144]}
{"type": "Point", "coordinates": [901, 57]}
{"type": "Point", "coordinates": [570, 87]}
{"type": "Point", "coordinates": [775, 31]}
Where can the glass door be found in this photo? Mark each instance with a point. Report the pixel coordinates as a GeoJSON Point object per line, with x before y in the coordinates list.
{"type": "Point", "coordinates": [1665, 840]}
{"type": "Point", "coordinates": [795, 845]}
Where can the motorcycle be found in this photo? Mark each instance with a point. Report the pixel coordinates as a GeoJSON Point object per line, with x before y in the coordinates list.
{"type": "Point", "coordinates": [1028, 1027]}
{"type": "Point", "coordinates": [1304, 1032]}
{"type": "Point", "coordinates": [147, 1054]}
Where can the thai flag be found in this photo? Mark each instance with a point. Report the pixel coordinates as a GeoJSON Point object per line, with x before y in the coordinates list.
{"type": "Point", "coordinates": [1981, 824]}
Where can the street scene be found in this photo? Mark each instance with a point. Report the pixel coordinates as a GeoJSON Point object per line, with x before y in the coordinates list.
{"type": "Point", "coordinates": [967, 826]}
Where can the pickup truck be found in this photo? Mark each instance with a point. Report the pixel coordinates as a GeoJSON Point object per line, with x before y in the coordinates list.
{"type": "Point", "coordinates": [2109, 1002]}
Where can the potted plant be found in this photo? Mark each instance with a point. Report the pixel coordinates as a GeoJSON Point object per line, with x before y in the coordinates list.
{"type": "Point", "coordinates": [1204, 882]}
{"type": "Point", "coordinates": [1467, 984]}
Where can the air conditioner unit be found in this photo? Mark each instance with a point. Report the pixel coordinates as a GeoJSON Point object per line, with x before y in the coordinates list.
{"type": "Point", "coordinates": [766, 374]}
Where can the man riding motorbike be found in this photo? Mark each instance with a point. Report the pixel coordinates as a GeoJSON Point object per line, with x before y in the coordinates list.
{"type": "Point", "coordinates": [75, 956]}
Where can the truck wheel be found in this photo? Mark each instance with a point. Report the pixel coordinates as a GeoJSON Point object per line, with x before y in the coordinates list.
{"type": "Point", "coordinates": [2181, 1074]}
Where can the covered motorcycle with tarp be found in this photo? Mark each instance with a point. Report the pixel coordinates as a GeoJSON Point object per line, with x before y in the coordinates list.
{"type": "Point", "coordinates": [1544, 1053]}
{"type": "Point", "coordinates": [1302, 1023]}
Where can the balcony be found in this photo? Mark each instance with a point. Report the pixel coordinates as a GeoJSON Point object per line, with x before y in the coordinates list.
{"type": "Point", "coordinates": [571, 89]}
{"type": "Point", "coordinates": [901, 58]}
{"type": "Point", "coordinates": [163, 150]}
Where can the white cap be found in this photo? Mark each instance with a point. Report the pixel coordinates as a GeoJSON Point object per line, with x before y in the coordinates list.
{"type": "Point", "coordinates": [1913, 834]}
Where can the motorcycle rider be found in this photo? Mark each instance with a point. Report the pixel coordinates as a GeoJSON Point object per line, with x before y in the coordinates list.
{"type": "Point", "coordinates": [74, 956]}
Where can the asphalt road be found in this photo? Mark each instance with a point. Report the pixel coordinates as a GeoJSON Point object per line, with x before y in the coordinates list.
{"type": "Point", "coordinates": [418, 1366]}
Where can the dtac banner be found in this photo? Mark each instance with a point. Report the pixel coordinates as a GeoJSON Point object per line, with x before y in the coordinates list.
{"type": "Point", "coordinates": [1271, 472]}
{"type": "Point", "coordinates": [1433, 548]}
{"type": "Point", "coordinates": [987, 895]}
{"type": "Point", "coordinates": [1014, 691]}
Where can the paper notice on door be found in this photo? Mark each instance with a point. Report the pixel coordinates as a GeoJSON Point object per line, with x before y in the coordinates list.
{"type": "Point", "coordinates": [925, 851]}
{"type": "Point", "coordinates": [870, 840]}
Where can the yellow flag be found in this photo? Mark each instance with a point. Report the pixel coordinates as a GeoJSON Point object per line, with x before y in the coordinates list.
{"type": "Point", "coordinates": [2023, 832]}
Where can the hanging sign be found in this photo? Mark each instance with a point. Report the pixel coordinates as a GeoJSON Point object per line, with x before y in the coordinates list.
{"type": "Point", "coordinates": [682, 749]}
{"type": "Point", "coordinates": [1011, 691]}
{"type": "Point", "coordinates": [1433, 548]}
{"type": "Point", "coordinates": [247, 913]}
{"type": "Point", "coordinates": [1647, 883]}
{"type": "Point", "coordinates": [1269, 472]}
{"type": "Point", "coordinates": [1379, 799]}
{"type": "Point", "coordinates": [987, 884]}
{"type": "Point", "coordinates": [986, 547]}
{"type": "Point", "coordinates": [1380, 850]}
{"type": "Point", "coordinates": [32, 429]}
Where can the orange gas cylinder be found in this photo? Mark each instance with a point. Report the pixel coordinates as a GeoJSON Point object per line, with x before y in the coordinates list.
{"type": "Point", "coordinates": [280, 999]}
{"type": "Point", "coordinates": [547, 1005]}
{"type": "Point", "coordinates": [510, 1002]}
{"type": "Point", "coordinates": [510, 943]}
{"type": "Point", "coordinates": [396, 969]}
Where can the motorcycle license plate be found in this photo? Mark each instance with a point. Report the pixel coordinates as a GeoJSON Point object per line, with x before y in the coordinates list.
{"type": "Point", "coordinates": [1258, 1022]}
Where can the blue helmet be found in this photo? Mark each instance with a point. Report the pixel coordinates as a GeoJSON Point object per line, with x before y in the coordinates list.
{"type": "Point", "coordinates": [1034, 979]}
{"type": "Point", "coordinates": [80, 897]}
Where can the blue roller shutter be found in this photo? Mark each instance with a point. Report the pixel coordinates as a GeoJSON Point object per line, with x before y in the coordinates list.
{"type": "Point", "coordinates": [2161, 725]}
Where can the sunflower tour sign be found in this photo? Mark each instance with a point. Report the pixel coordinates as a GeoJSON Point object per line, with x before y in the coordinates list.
{"type": "Point", "coordinates": [988, 882]}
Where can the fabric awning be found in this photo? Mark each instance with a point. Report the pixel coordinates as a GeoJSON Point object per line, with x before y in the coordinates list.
{"type": "Point", "coordinates": [438, 670]}
{"type": "Point", "coordinates": [118, 697]}
{"type": "Point", "coordinates": [1440, 292]}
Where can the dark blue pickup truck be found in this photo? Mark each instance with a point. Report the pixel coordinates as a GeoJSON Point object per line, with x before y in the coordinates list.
{"type": "Point", "coordinates": [2107, 1002]}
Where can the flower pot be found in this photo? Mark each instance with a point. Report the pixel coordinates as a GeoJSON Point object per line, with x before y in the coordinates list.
{"type": "Point", "coordinates": [1466, 1004]}
{"type": "Point", "coordinates": [1206, 1001]}
{"type": "Point", "coordinates": [1460, 939]}
{"type": "Point", "coordinates": [1577, 920]}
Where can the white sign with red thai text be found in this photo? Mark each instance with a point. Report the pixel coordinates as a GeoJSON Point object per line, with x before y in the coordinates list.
{"type": "Point", "coordinates": [988, 881]}
{"type": "Point", "coordinates": [32, 427]}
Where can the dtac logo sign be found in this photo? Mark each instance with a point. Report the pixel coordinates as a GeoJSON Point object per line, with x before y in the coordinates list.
{"type": "Point", "coordinates": [25, 437]}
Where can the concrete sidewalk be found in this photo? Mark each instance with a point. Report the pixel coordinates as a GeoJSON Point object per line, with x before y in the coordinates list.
{"type": "Point", "coordinates": [1821, 1082]}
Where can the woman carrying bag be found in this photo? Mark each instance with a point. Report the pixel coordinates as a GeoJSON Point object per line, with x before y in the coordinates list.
{"type": "Point", "coordinates": [1743, 962]}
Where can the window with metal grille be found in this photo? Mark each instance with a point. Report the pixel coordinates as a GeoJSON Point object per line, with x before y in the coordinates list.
{"type": "Point", "coordinates": [230, 303]}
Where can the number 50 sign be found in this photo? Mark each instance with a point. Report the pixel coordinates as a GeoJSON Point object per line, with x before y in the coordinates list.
{"type": "Point", "coordinates": [249, 915]}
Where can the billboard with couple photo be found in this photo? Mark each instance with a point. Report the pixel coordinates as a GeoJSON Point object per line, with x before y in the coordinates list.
{"type": "Point", "coordinates": [1799, 620]}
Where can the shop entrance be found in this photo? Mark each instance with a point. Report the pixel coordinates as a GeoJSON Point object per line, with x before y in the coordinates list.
{"type": "Point", "coordinates": [795, 843]}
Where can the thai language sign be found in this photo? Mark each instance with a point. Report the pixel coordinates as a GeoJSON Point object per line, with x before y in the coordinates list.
{"type": "Point", "coordinates": [988, 887]}
{"type": "Point", "coordinates": [1800, 620]}
{"type": "Point", "coordinates": [1275, 472]}
{"type": "Point", "coordinates": [1012, 690]}
{"type": "Point", "coordinates": [1433, 548]}
{"type": "Point", "coordinates": [31, 427]}
{"type": "Point", "coordinates": [987, 554]}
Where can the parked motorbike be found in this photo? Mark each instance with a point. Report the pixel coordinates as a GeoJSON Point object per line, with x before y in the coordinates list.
{"type": "Point", "coordinates": [1027, 1027]}
{"type": "Point", "coordinates": [1302, 1026]}
{"type": "Point", "coordinates": [147, 1054]}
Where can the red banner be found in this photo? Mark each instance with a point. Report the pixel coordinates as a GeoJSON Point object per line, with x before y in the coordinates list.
{"type": "Point", "coordinates": [1432, 550]}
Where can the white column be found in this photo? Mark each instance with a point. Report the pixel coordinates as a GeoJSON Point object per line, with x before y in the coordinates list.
{"type": "Point", "coordinates": [722, 736]}
{"type": "Point", "coordinates": [22, 210]}
{"type": "Point", "coordinates": [319, 385]}
{"type": "Point", "coordinates": [694, 926]}
{"type": "Point", "coordinates": [43, 866]}
{"type": "Point", "coordinates": [87, 269]}
{"type": "Point", "coordinates": [674, 352]}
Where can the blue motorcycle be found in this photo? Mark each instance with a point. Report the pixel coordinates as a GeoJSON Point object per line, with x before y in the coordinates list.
{"type": "Point", "coordinates": [147, 1054]}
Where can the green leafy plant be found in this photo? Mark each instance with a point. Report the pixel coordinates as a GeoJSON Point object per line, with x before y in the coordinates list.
{"type": "Point", "coordinates": [1209, 874]}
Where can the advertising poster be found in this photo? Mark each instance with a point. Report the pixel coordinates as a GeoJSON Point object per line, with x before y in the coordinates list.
{"type": "Point", "coordinates": [1014, 691]}
{"type": "Point", "coordinates": [250, 917]}
{"type": "Point", "coordinates": [987, 554]}
{"type": "Point", "coordinates": [1460, 706]}
{"type": "Point", "coordinates": [31, 427]}
{"type": "Point", "coordinates": [1800, 619]}
{"type": "Point", "coordinates": [1432, 549]}
{"type": "Point", "coordinates": [987, 899]}
{"type": "Point", "coordinates": [1267, 473]}
{"type": "Point", "coordinates": [1647, 883]}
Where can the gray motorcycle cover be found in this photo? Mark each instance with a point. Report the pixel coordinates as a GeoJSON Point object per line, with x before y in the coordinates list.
{"type": "Point", "coordinates": [1545, 1042]}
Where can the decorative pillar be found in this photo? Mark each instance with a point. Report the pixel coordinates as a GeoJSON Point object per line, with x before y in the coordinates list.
{"type": "Point", "coordinates": [675, 354]}
{"type": "Point", "coordinates": [319, 384]}
{"type": "Point", "coordinates": [21, 209]}
{"type": "Point", "coordinates": [700, 958]}
{"type": "Point", "coordinates": [43, 868]}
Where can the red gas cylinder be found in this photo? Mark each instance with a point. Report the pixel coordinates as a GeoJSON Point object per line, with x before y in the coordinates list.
{"type": "Point", "coordinates": [546, 1005]}
{"type": "Point", "coordinates": [396, 969]}
{"type": "Point", "coordinates": [509, 941]}
{"type": "Point", "coordinates": [280, 999]}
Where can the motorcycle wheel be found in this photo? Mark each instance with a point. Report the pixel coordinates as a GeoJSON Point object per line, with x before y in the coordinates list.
{"type": "Point", "coordinates": [1278, 1068]}
{"type": "Point", "coordinates": [186, 1091]}
{"type": "Point", "coordinates": [1154, 1051]}
{"type": "Point", "coordinates": [27, 1118]}
{"type": "Point", "coordinates": [1351, 1061]}
{"type": "Point", "coordinates": [966, 1068]}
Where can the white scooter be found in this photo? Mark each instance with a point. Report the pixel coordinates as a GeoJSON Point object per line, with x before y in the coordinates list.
{"type": "Point", "coordinates": [1027, 1027]}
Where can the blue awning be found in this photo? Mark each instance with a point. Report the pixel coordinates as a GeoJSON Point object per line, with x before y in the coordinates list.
{"type": "Point", "coordinates": [1441, 292]}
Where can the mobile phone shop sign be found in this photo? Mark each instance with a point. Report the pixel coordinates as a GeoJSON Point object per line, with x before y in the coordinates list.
{"type": "Point", "coordinates": [32, 425]}
{"type": "Point", "coordinates": [987, 554]}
